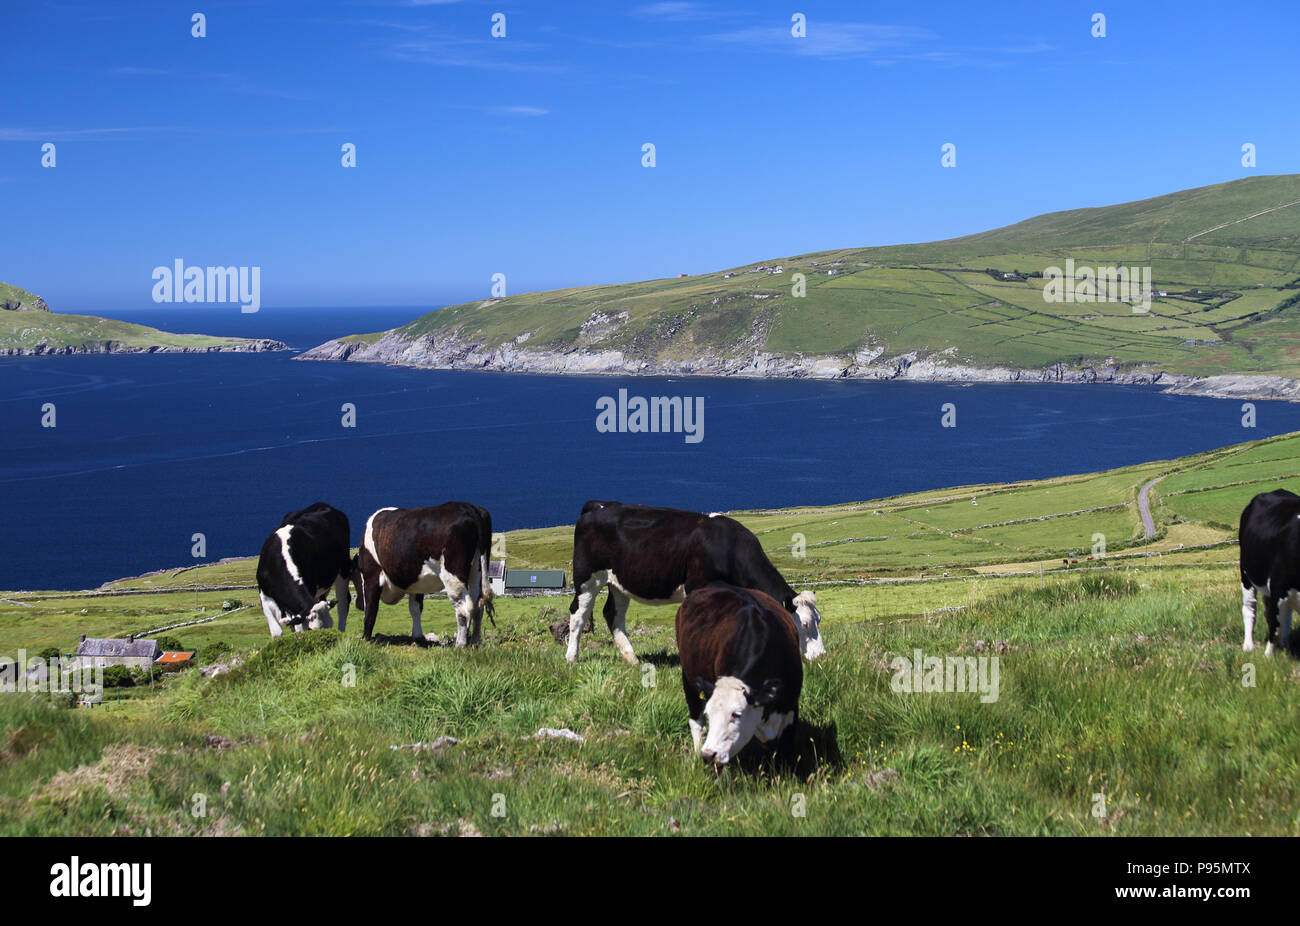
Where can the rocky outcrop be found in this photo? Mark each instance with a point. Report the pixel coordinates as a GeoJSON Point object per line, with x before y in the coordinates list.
{"type": "Point", "coordinates": [455, 352]}
{"type": "Point", "coordinates": [117, 347]}
{"type": "Point", "coordinates": [16, 299]}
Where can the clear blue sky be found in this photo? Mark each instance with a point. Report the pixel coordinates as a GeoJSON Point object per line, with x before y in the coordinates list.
{"type": "Point", "coordinates": [522, 155]}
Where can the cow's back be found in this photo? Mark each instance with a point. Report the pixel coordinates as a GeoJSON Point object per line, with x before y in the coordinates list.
{"type": "Point", "coordinates": [742, 632]}
{"type": "Point", "coordinates": [403, 540]}
{"type": "Point", "coordinates": [645, 547]}
{"type": "Point", "coordinates": [727, 551]}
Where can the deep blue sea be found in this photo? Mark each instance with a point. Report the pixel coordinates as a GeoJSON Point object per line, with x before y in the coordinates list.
{"type": "Point", "coordinates": [149, 450]}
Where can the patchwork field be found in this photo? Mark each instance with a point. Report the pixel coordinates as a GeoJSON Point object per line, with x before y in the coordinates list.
{"type": "Point", "coordinates": [1121, 687]}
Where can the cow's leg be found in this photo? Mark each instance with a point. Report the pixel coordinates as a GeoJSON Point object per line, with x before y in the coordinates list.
{"type": "Point", "coordinates": [415, 604]}
{"type": "Point", "coordinates": [584, 602]}
{"type": "Point", "coordinates": [616, 604]}
{"type": "Point", "coordinates": [463, 605]}
{"type": "Point", "coordinates": [475, 622]}
{"type": "Point", "coordinates": [695, 710]}
{"type": "Point", "coordinates": [1284, 624]}
{"type": "Point", "coordinates": [1270, 615]}
{"type": "Point", "coordinates": [272, 612]}
{"type": "Point", "coordinates": [343, 599]}
{"type": "Point", "coordinates": [1248, 601]}
{"type": "Point", "coordinates": [369, 595]}
{"type": "Point", "coordinates": [787, 746]}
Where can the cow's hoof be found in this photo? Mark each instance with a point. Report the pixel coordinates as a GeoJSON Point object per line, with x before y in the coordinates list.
{"type": "Point", "coordinates": [1268, 650]}
{"type": "Point", "coordinates": [629, 658]}
{"type": "Point", "coordinates": [1248, 646]}
{"type": "Point", "coordinates": [431, 637]}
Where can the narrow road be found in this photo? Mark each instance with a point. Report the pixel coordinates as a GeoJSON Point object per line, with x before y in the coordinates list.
{"type": "Point", "coordinates": [1144, 509]}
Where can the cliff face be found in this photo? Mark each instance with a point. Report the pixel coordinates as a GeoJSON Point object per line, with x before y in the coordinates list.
{"type": "Point", "coordinates": [458, 353]}
{"type": "Point", "coordinates": [117, 347]}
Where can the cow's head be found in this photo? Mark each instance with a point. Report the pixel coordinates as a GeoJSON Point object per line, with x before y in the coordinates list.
{"type": "Point", "coordinates": [734, 713]}
{"type": "Point", "coordinates": [318, 618]}
{"type": "Point", "coordinates": [809, 620]}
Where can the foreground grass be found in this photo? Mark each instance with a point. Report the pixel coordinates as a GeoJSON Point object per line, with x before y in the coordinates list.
{"type": "Point", "coordinates": [1128, 684]}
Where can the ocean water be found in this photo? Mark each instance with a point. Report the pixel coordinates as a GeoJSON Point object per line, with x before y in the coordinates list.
{"type": "Point", "coordinates": [150, 450]}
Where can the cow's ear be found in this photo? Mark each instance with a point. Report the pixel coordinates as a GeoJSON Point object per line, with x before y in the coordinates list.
{"type": "Point", "coordinates": [704, 688]}
{"type": "Point", "coordinates": [769, 691]}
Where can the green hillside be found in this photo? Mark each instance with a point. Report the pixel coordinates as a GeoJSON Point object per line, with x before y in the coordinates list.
{"type": "Point", "coordinates": [1226, 256]}
{"type": "Point", "coordinates": [27, 326]}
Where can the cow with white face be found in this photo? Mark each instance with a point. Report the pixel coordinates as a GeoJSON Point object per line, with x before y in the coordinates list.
{"type": "Point", "coordinates": [741, 671]}
{"type": "Point", "coordinates": [658, 556]}
{"type": "Point", "coordinates": [305, 557]}
{"type": "Point", "coordinates": [415, 552]}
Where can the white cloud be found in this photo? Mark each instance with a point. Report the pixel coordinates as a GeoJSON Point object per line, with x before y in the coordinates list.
{"type": "Point", "coordinates": [830, 39]}
{"type": "Point", "coordinates": [11, 134]}
{"type": "Point", "coordinates": [674, 11]}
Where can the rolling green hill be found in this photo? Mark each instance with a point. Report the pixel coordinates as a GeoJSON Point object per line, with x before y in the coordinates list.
{"type": "Point", "coordinates": [29, 328]}
{"type": "Point", "coordinates": [1224, 266]}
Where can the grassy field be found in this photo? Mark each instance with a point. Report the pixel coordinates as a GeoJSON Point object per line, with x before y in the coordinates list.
{"type": "Point", "coordinates": [1120, 676]}
{"type": "Point", "coordinates": [1226, 256]}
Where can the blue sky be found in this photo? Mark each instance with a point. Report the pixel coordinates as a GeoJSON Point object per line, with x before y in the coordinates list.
{"type": "Point", "coordinates": [522, 154]}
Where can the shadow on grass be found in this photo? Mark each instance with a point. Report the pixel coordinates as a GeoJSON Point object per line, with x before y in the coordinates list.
{"type": "Point", "coordinates": [815, 748]}
{"type": "Point", "coordinates": [383, 639]}
{"type": "Point", "coordinates": [661, 659]}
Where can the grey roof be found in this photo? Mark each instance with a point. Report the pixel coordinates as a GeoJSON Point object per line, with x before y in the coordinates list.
{"type": "Point", "coordinates": [121, 648]}
{"type": "Point", "coordinates": [534, 578]}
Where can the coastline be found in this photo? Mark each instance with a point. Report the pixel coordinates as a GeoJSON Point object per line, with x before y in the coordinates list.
{"type": "Point", "coordinates": [253, 345]}
{"type": "Point", "coordinates": [866, 366]}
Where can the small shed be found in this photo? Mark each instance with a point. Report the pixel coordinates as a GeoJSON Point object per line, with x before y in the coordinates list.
{"type": "Point", "coordinates": [534, 581]}
{"type": "Point", "coordinates": [172, 660]}
{"type": "Point", "coordinates": [97, 653]}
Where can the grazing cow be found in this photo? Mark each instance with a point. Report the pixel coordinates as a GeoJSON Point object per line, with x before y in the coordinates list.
{"type": "Point", "coordinates": [741, 670]}
{"type": "Point", "coordinates": [422, 551]}
{"type": "Point", "coordinates": [301, 561]}
{"type": "Point", "coordinates": [658, 556]}
{"type": "Point", "coordinates": [1269, 542]}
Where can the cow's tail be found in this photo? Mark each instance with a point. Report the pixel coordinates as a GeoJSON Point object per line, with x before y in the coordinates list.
{"type": "Point", "coordinates": [485, 589]}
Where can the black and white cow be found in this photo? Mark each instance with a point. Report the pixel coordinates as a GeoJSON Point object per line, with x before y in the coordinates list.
{"type": "Point", "coordinates": [306, 556]}
{"type": "Point", "coordinates": [741, 670]}
{"type": "Point", "coordinates": [657, 556]}
{"type": "Point", "coordinates": [1269, 541]}
{"type": "Point", "coordinates": [423, 551]}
